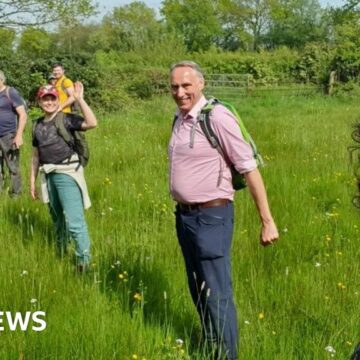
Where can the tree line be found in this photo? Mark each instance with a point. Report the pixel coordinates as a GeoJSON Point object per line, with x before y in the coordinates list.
{"type": "Point", "coordinates": [126, 53]}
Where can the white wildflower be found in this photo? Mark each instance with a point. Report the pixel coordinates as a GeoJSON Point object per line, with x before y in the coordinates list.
{"type": "Point", "coordinates": [330, 349]}
{"type": "Point", "coordinates": [287, 271]}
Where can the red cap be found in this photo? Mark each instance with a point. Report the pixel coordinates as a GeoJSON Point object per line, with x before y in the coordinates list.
{"type": "Point", "coordinates": [47, 90]}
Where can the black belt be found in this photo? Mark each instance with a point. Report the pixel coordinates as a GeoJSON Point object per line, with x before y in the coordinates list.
{"type": "Point", "coordinates": [208, 204]}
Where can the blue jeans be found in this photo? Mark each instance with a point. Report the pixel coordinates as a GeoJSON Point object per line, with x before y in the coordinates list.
{"type": "Point", "coordinates": [205, 237]}
{"type": "Point", "coordinates": [67, 212]}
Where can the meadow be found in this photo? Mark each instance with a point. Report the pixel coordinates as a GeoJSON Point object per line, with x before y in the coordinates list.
{"type": "Point", "coordinates": [296, 300]}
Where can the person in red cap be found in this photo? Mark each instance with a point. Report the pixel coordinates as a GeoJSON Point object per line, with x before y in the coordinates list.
{"type": "Point", "coordinates": [63, 184]}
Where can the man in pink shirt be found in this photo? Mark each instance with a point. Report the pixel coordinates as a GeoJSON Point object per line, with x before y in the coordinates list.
{"type": "Point", "coordinates": [200, 183]}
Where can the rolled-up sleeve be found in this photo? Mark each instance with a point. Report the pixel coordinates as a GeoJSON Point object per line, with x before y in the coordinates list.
{"type": "Point", "coordinates": [227, 129]}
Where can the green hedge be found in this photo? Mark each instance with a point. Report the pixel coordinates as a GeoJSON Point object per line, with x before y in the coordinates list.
{"type": "Point", "coordinates": [114, 79]}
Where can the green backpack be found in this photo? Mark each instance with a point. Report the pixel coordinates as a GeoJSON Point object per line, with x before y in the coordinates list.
{"type": "Point", "coordinates": [238, 180]}
{"type": "Point", "coordinates": [75, 139]}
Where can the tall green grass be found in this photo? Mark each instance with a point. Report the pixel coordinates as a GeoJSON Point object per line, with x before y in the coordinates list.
{"type": "Point", "coordinates": [293, 299]}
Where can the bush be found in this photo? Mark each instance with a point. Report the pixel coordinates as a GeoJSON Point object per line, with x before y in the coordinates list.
{"type": "Point", "coordinates": [313, 65]}
{"type": "Point", "coordinates": [348, 89]}
{"type": "Point", "coordinates": [149, 82]}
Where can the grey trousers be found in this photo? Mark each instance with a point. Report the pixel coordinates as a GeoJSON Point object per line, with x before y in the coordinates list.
{"type": "Point", "coordinates": [11, 158]}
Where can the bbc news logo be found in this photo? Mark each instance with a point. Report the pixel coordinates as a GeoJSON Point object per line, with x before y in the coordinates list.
{"type": "Point", "coordinates": [22, 321]}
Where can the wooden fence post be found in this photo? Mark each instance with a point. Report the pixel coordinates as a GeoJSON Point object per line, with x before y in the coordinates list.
{"type": "Point", "coordinates": [249, 84]}
{"type": "Point", "coordinates": [331, 83]}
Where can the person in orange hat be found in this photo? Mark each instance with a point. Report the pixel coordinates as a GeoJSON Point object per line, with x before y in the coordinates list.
{"type": "Point", "coordinates": [63, 184]}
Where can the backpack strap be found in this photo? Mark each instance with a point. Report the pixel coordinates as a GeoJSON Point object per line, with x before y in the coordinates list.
{"type": "Point", "coordinates": [205, 124]}
{"type": "Point", "coordinates": [245, 133]}
{"type": "Point", "coordinates": [204, 119]}
{"type": "Point", "coordinates": [174, 121]}
{"type": "Point", "coordinates": [59, 123]}
{"type": "Point", "coordinates": [63, 88]}
{"type": "Point", "coordinates": [7, 93]}
{"type": "Point", "coordinates": [193, 130]}
{"type": "Point", "coordinates": [61, 129]}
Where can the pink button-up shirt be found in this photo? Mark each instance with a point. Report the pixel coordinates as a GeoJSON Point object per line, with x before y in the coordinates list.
{"type": "Point", "coordinates": [200, 174]}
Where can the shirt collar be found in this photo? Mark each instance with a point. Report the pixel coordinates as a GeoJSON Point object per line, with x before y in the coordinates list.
{"type": "Point", "coordinates": [194, 112]}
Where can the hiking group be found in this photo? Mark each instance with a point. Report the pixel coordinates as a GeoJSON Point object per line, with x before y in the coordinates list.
{"type": "Point", "coordinates": [208, 150]}
{"type": "Point", "coordinates": [59, 154]}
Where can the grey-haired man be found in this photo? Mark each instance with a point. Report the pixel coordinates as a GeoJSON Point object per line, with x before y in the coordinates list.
{"type": "Point", "coordinates": [200, 183]}
{"type": "Point", "coordinates": [12, 124]}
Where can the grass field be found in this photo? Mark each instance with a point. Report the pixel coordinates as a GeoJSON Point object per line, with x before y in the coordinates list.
{"type": "Point", "coordinates": [294, 299]}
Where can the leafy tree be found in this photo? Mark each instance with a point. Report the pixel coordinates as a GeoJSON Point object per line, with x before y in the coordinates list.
{"type": "Point", "coordinates": [35, 43]}
{"type": "Point", "coordinates": [196, 21]}
{"type": "Point", "coordinates": [7, 37]}
{"type": "Point", "coordinates": [130, 27]}
{"type": "Point", "coordinates": [246, 19]}
{"type": "Point", "coordinates": [295, 23]}
{"type": "Point", "coordinates": [348, 13]}
{"type": "Point", "coordinates": [347, 59]}
{"type": "Point", "coordinates": [74, 39]}
{"type": "Point", "coordinates": [233, 34]}
{"type": "Point", "coordinates": [344, 35]}
{"type": "Point", "coordinates": [15, 13]}
{"type": "Point", "coordinates": [257, 19]}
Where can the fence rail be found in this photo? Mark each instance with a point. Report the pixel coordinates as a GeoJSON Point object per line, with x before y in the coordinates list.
{"type": "Point", "coordinates": [233, 86]}
{"type": "Point", "coordinates": [230, 86]}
